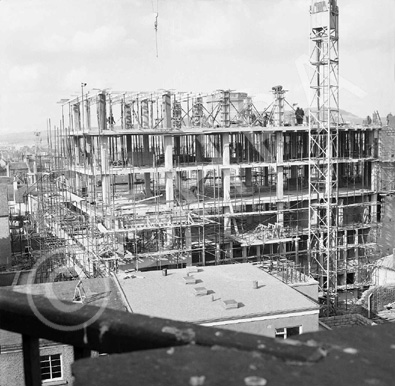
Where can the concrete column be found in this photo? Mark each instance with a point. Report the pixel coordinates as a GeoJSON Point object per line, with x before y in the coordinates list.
{"type": "Point", "coordinates": [226, 180]}
{"type": "Point", "coordinates": [89, 151]}
{"type": "Point", "coordinates": [282, 250]}
{"type": "Point", "coordinates": [177, 149]}
{"type": "Point", "coordinates": [130, 183]}
{"type": "Point", "coordinates": [145, 114]}
{"type": "Point", "coordinates": [352, 143]}
{"type": "Point", "coordinates": [375, 186]}
{"type": "Point", "coordinates": [177, 145]}
{"type": "Point", "coordinates": [294, 177]}
{"type": "Point", "coordinates": [226, 162]}
{"type": "Point", "coordinates": [147, 184]}
{"type": "Point", "coordinates": [266, 176]}
{"type": "Point", "coordinates": [87, 115]}
{"type": "Point", "coordinates": [76, 151]}
{"type": "Point", "coordinates": [225, 108]}
{"type": "Point", "coordinates": [127, 111]}
{"type": "Point", "coordinates": [203, 253]}
{"type": "Point", "coordinates": [280, 176]}
{"type": "Point", "coordinates": [105, 170]}
{"type": "Point", "coordinates": [229, 250]}
{"type": "Point", "coordinates": [280, 168]}
{"type": "Point", "coordinates": [248, 177]}
{"type": "Point", "coordinates": [373, 209]}
{"type": "Point", "coordinates": [168, 145]}
{"type": "Point", "coordinates": [248, 148]}
{"type": "Point", "coordinates": [166, 111]}
{"type": "Point", "coordinates": [199, 143]}
{"type": "Point", "coordinates": [78, 183]}
{"type": "Point", "coordinates": [101, 112]}
{"type": "Point", "coordinates": [226, 198]}
{"type": "Point", "coordinates": [356, 275]}
{"type": "Point", "coordinates": [258, 251]}
{"type": "Point", "coordinates": [248, 184]}
{"type": "Point", "coordinates": [76, 117]}
{"type": "Point", "coordinates": [244, 253]}
{"type": "Point", "coordinates": [129, 149]}
{"type": "Point", "coordinates": [345, 251]}
{"type": "Point", "coordinates": [375, 144]}
{"type": "Point", "coordinates": [188, 245]}
{"type": "Point", "coordinates": [147, 176]}
{"type": "Point", "coordinates": [297, 251]}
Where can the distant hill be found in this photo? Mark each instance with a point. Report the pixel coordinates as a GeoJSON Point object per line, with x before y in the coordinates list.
{"type": "Point", "coordinates": [347, 117]}
{"type": "Point", "coordinates": [350, 117]}
{"type": "Point", "coordinates": [23, 138]}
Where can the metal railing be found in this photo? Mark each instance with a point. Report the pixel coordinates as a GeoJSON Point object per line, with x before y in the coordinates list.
{"type": "Point", "coordinates": [111, 331]}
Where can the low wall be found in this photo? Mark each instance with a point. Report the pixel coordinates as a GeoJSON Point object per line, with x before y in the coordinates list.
{"type": "Point", "coordinates": [348, 320]}
{"type": "Point", "coordinates": [381, 296]}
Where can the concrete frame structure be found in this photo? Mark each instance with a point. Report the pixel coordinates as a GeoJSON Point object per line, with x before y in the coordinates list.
{"type": "Point", "coordinates": [185, 180]}
{"type": "Point", "coordinates": [196, 179]}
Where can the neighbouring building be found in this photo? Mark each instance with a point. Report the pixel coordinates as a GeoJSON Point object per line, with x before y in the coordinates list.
{"type": "Point", "coordinates": [5, 240]}
{"type": "Point", "coordinates": [384, 271]}
{"type": "Point", "coordinates": [240, 297]}
{"type": "Point", "coordinates": [55, 358]}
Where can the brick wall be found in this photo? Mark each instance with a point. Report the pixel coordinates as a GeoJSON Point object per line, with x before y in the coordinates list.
{"type": "Point", "coordinates": [5, 242]}
{"type": "Point", "coordinates": [386, 239]}
{"type": "Point", "coordinates": [348, 320]}
{"type": "Point", "coordinates": [11, 365]}
{"type": "Point", "coordinates": [382, 295]}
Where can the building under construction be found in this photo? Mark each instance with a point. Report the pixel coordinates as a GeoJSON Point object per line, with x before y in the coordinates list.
{"type": "Point", "coordinates": [175, 179]}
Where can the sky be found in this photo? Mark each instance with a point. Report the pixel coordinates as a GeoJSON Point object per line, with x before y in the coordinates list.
{"type": "Point", "coordinates": [48, 47]}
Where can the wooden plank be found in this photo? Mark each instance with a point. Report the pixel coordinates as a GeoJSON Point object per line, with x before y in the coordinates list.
{"type": "Point", "coordinates": [31, 360]}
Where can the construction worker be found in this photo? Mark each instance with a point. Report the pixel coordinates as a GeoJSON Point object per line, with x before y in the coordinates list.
{"type": "Point", "coordinates": [299, 114]}
{"type": "Point", "coordinates": [111, 120]}
{"type": "Point", "coordinates": [265, 120]}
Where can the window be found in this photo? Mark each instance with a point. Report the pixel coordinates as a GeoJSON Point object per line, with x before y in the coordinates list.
{"type": "Point", "coordinates": [51, 367]}
{"type": "Point", "coordinates": [286, 332]}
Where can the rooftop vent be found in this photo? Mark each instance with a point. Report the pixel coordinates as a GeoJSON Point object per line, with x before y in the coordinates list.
{"type": "Point", "coordinates": [229, 304]}
{"type": "Point", "coordinates": [192, 270]}
{"type": "Point", "coordinates": [189, 280]}
{"type": "Point", "coordinates": [200, 291]}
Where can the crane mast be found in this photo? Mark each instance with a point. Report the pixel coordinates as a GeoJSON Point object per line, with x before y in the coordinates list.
{"type": "Point", "coordinates": [323, 144]}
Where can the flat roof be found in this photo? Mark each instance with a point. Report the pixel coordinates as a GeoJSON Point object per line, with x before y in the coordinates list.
{"type": "Point", "coordinates": [152, 293]}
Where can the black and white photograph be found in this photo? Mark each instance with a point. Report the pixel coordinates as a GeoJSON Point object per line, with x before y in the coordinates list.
{"type": "Point", "coordinates": [197, 192]}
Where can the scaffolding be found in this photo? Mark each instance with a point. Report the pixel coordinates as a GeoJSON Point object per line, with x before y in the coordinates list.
{"type": "Point", "coordinates": [145, 180]}
{"type": "Point", "coordinates": [175, 179]}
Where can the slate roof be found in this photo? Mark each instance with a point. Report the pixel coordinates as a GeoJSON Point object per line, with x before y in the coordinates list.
{"type": "Point", "coordinates": [387, 262]}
